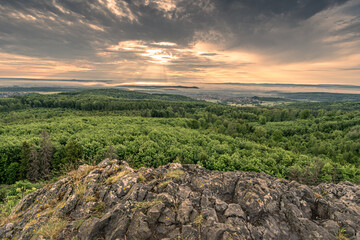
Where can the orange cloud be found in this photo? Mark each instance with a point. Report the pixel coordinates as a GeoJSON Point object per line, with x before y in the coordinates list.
{"type": "Point", "coordinates": [141, 61]}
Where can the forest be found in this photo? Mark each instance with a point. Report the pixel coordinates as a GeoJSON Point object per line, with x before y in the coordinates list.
{"type": "Point", "coordinates": [43, 136]}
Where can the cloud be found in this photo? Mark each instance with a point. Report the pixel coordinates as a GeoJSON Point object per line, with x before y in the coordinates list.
{"type": "Point", "coordinates": [204, 40]}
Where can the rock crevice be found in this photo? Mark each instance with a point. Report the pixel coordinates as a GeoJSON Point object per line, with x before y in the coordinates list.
{"type": "Point", "coordinates": [112, 201]}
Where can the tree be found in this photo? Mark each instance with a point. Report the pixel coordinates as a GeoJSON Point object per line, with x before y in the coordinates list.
{"type": "Point", "coordinates": [4, 163]}
{"type": "Point", "coordinates": [12, 173]}
{"type": "Point", "coordinates": [111, 153]}
{"type": "Point", "coordinates": [277, 135]}
{"type": "Point", "coordinates": [262, 120]}
{"type": "Point", "coordinates": [73, 150]}
{"type": "Point", "coordinates": [260, 132]}
{"type": "Point", "coordinates": [34, 171]}
{"type": "Point", "coordinates": [45, 155]}
{"type": "Point", "coordinates": [194, 124]}
{"type": "Point", "coordinates": [304, 114]}
{"type": "Point", "coordinates": [24, 160]}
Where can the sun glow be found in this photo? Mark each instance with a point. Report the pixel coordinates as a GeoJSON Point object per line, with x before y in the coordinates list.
{"type": "Point", "coordinates": [160, 56]}
{"type": "Point", "coordinates": [148, 83]}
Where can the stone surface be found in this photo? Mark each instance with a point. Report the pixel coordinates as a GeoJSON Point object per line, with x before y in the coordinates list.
{"type": "Point", "coordinates": [112, 201]}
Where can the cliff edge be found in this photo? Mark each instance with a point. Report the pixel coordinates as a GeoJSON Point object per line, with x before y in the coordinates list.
{"type": "Point", "coordinates": [113, 201]}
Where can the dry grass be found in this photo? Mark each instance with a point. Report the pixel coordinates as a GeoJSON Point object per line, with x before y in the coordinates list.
{"type": "Point", "coordinates": [5, 218]}
{"type": "Point", "coordinates": [317, 195]}
{"type": "Point", "coordinates": [141, 178]}
{"type": "Point", "coordinates": [164, 184]}
{"type": "Point", "coordinates": [98, 209]}
{"type": "Point", "coordinates": [175, 174]}
{"type": "Point", "coordinates": [79, 223]}
{"type": "Point", "coordinates": [147, 204]}
{"type": "Point", "coordinates": [198, 221]}
{"type": "Point", "coordinates": [80, 173]}
{"type": "Point", "coordinates": [91, 198]}
{"type": "Point", "coordinates": [52, 228]}
{"type": "Point", "coordinates": [80, 190]}
{"type": "Point", "coordinates": [115, 178]}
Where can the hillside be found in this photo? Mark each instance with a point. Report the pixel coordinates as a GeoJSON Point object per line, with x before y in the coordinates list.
{"type": "Point", "coordinates": [124, 94]}
{"type": "Point", "coordinates": [113, 201]}
{"type": "Point", "coordinates": [306, 142]}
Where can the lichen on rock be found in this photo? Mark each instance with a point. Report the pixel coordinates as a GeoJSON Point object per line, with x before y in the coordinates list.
{"type": "Point", "coordinates": [112, 201]}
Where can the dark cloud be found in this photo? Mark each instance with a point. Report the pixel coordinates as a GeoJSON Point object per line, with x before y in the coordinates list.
{"type": "Point", "coordinates": [291, 9]}
{"type": "Point", "coordinates": [79, 29]}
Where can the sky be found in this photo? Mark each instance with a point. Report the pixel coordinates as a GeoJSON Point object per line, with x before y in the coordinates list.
{"type": "Point", "coordinates": [181, 41]}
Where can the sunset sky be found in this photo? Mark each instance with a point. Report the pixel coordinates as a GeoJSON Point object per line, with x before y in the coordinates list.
{"type": "Point", "coordinates": [182, 41]}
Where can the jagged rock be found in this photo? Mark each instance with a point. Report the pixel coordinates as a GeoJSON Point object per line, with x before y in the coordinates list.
{"type": "Point", "coordinates": [112, 201]}
{"type": "Point", "coordinates": [234, 210]}
{"type": "Point", "coordinates": [68, 206]}
{"type": "Point", "coordinates": [167, 217]}
{"type": "Point", "coordinates": [185, 212]}
{"type": "Point", "coordinates": [139, 228]}
{"type": "Point", "coordinates": [220, 206]}
{"type": "Point", "coordinates": [154, 212]}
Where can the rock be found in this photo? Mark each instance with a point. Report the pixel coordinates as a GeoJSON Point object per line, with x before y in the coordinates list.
{"type": "Point", "coordinates": [139, 228]}
{"type": "Point", "coordinates": [209, 215]}
{"type": "Point", "coordinates": [68, 206]}
{"type": "Point", "coordinates": [331, 226]}
{"type": "Point", "coordinates": [185, 212]}
{"type": "Point", "coordinates": [167, 217]}
{"type": "Point", "coordinates": [188, 232]}
{"type": "Point", "coordinates": [109, 202]}
{"type": "Point", "coordinates": [154, 212]}
{"type": "Point", "coordinates": [165, 230]}
{"type": "Point", "coordinates": [220, 206]}
{"type": "Point", "coordinates": [234, 210]}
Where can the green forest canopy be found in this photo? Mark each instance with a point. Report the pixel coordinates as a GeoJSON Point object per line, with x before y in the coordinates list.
{"type": "Point", "coordinates": [308, 142]}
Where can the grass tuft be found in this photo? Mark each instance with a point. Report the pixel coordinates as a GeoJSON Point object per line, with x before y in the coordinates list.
{"type": "Point", "coordinates": [342, 234]}
{"type": "Point", "coordinates": [52, 228]}
{"type": "Point", "coordinates": [98, 209]}
{"type": "Point", "coordinates": [198, 221]}
{"type": "Point", "coordinates": [141, 178]}
{"type": "Point", "coordinates": [175, 174]}
{"type": "Point", "coordinates": [164, 184]}
{"type": "Point", "coordinates": [146, 204]}
{"type": "Point", "coordinates": [115, 178]}
{"type": "Point", "coordinates": [80, 190]}
{"type": "Point", "coordinates": [91, 198]}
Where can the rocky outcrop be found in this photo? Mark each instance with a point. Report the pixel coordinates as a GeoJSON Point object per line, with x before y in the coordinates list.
{"type": "Point", "coordinates": [112, 201]}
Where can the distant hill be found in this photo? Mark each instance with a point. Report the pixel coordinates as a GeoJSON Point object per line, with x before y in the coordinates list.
{"type": "Point", "coordinates": [37, 89]}
{"type": "Point", "coordinates": [124, 94]}
{"type": "Point", "coordinates": [322, 96]}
